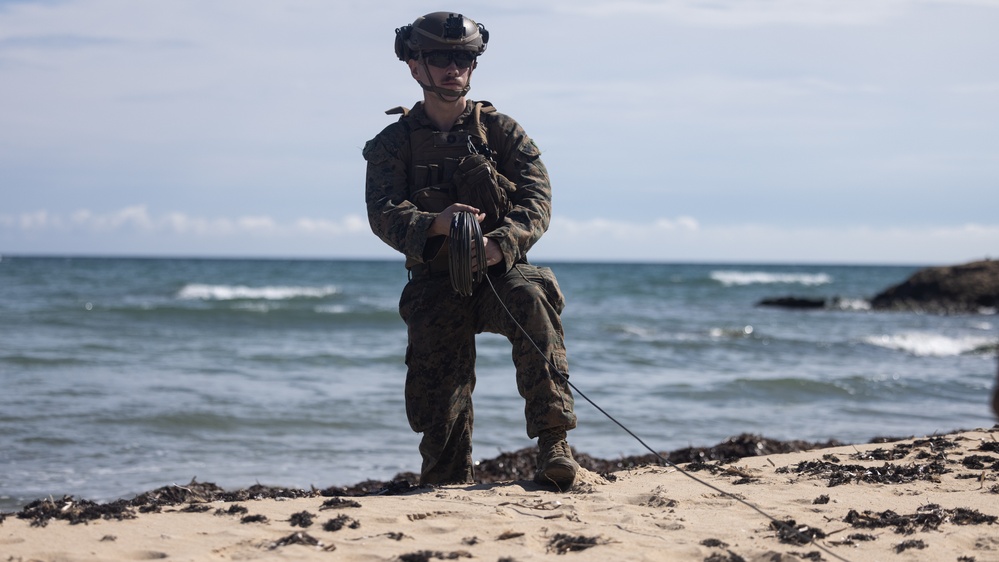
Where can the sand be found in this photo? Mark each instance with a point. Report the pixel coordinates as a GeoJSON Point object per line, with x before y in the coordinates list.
{"type": "Point", "coordinates": [932, 498]}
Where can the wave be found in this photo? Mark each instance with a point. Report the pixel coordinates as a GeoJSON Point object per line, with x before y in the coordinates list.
{"type": "Point", "coordinates": [197, 291]}
{"type": "Point", "coordinates": [924, 344]}
{"type": "Point", "coordinates": [739, 278]}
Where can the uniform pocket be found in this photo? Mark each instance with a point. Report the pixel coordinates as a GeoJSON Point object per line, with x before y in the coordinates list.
{"type": "Point", "coordinates": [544, 278]}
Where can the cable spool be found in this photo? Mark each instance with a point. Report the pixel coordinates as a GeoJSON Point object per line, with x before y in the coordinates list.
{"type": "Point", "coordinates": [467, 260]}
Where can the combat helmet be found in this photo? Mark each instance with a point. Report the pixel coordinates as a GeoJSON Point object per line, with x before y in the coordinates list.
{"type": "Point", "coordinates": [440, 31]}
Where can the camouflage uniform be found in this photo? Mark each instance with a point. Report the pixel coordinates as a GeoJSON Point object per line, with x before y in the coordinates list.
{"type": "Point", "coordinates": [442, 324]}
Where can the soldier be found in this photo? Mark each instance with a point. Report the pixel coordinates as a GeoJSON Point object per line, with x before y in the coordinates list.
{"type": "Point", "coordinates": [448, 155]}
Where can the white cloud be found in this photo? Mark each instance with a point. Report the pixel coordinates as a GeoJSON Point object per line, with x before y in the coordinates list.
{"type": "Point", "coordinates": [681, 238]}
{"type": "Point", "coordinates": [750, 13]}
{"type": "Point", "coordinates": [137, 218]}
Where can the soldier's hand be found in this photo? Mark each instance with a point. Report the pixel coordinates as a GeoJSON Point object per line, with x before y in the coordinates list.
{"type": "Point", "coordinates": [493, 253]}
{"type": "Point", "coordinates": [442, 224]}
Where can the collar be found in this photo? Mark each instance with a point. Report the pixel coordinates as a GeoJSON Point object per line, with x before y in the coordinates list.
{"type": "Point", "coordinates": [419, 114]}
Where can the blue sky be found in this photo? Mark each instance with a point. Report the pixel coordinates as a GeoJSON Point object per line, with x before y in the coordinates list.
{"type": "Point", "coordinates": [842, 131]}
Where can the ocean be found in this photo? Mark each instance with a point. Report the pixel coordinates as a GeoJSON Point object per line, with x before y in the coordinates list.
{"type": "Point", "coordinates": [120, 376]}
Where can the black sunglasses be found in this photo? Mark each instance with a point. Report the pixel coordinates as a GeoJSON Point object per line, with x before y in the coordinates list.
{"type": "Point", "coordinates": [443, 59]}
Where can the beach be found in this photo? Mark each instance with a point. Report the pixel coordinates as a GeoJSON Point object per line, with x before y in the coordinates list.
{"type": "Point", "coordinates": [924, 498]}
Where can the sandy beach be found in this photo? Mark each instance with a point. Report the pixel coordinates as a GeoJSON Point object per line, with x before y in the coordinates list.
{"type": "Point", "coordinates": [929, 498]}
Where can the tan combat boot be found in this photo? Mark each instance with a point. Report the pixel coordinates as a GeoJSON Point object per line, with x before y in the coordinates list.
{"type": "Point", "coordinates": [555, 463]}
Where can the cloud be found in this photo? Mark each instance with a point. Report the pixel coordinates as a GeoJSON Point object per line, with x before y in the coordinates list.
{"type": "Point", "coordinates": [137, 218]}
{"type": "Point", "coordinates": [681, 238]}
{"type": "Point", "coordinates": [753, 13]}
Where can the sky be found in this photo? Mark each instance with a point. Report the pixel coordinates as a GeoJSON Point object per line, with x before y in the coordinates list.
{"type": "Point", "coordinates": [741, 131]}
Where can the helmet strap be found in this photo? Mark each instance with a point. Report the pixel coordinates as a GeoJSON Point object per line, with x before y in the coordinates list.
{"type": "Point", "coordinates": [441, 92]}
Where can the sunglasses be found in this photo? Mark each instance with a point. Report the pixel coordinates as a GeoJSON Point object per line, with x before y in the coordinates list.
{"type": "Point", "coordinates": [443, 59]}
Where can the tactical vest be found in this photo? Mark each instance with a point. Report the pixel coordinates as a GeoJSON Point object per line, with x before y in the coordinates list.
{"type": "Point", "coordinates": [434, 157]}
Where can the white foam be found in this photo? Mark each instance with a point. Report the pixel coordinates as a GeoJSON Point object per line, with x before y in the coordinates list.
{"type": "Point", "coordinates": [852, 304]}
{"type": "Point", "coordinates": [197, 291]}
{"type": "Point", "coordinates": [925, 344]}
{"type": "Point", "coordinates": [730, 278]}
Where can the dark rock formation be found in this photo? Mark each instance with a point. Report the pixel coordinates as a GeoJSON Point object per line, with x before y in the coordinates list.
{"type": "Point", "coordinates": [959, 289]}
{"type": "Point", "coordinates": [793, 302]}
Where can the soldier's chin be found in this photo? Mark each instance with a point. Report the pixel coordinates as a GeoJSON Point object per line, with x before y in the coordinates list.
{"type": "Point", "coordinates": [453, 95]}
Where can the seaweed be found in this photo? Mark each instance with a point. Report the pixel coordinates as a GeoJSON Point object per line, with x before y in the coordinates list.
{"type": "Point", "coordinates": [301, 538]}
{"type": "Point", "coordinates": [234, 509]}
{"type": "Point", "coordinates": [888, 473]}
{"type": "Point", "coordinates": [790, 532]}
{"type": "Point", "coordinates": [301, 519]}
{"type": "Point", "coordinates": [340, 522]}
{"type": "Point", "coordinates": [562, 543]}
{"type": "Point", "coordinates": [906, 545]}
{"type": "Point", "coordinates": [337, 503]}
{"type": "Point", "coordinates": [980, 462]}
{"type": "Point", "coordinates": [926, 518]}
{"type": "Point", "coordinates": [40, 512]}
{"type": "Point", "coordinates": [427, 555]}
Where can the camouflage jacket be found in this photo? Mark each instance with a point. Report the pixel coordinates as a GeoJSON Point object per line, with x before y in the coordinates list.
{"type": "Point", "coordinates": [399, 223]}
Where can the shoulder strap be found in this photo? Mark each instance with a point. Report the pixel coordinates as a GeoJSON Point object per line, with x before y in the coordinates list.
{"type": "Point", "coordinates": [478, 128]}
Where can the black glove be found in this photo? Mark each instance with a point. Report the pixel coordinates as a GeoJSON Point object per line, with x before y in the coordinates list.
{"type": "Point", "coordinates": [477, 183]}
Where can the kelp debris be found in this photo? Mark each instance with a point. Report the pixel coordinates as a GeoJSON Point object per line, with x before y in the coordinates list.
{"type": "Point", "coordinates": [507, 535]}
{"type": "Point", "coordinates": [427, 555]}
{"type": "Point", "coordinates": [888, 473]}
{"type": "Point", "coordinates": [234, 509]}
{"type": "Point", "coordinates": [301, 538]}
{"type": "Point", "coordinates": [337, 503]}
{"type": "Point", "coordinates": [926, 518]}
{"type": "Point", "coordinates": [206, 492]}
{"type": "Point", "coordinates": [789, 531]}
{"type": "Point", "coordinates": [340, 522]}
{"type": "Point", "coordinates": [301, 519]}
{"type": "Point", "coordinates": [196, 508]}
{"type": "Point", "coordinates": [254, 519]}
{"type": "Point", "coordinates": [726, 557]}
{"type": "Point", "coordinates": [40, 512]}
{"type": "Point", "coordinates": [402, 483]}
{"type": "Point", "coordinates": [981, 462]}
{"type": "Point", "coordinates": [854, 538]}
{"type": "Point", "coordinates": [562, 543]}
{"type": "Point", "coordinates": [906, 545]}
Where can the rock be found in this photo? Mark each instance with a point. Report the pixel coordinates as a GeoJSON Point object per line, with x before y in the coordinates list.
{"type": "Point", "coordinates": [958, 289]}
{"type": "Point", "coordinates": [793, 302]}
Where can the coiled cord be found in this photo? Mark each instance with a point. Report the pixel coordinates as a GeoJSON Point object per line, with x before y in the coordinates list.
{"type": "Point", "coordinates": [467, 259]}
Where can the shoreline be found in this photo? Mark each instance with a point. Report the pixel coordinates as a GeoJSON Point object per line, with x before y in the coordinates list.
{"type": "Point", "coordinates": [908, 499]}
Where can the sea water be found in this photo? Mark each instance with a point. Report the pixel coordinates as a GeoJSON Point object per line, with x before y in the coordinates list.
{"type": "Point", "coordinates": [118, 376]}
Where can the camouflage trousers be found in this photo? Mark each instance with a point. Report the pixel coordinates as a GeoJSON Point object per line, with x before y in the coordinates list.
{"type": "Point", "coordinates": [441, 359]}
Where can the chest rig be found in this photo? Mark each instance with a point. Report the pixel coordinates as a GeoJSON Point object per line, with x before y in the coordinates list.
{"type": "Point", "coordinates": [435, 155]}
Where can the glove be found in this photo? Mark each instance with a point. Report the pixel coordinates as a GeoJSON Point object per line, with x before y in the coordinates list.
{"type": "Point", "coordinates": [477, 183]}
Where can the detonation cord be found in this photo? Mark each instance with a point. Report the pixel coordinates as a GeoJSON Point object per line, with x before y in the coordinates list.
{"type": "Point", "coordinates": [465, 245]}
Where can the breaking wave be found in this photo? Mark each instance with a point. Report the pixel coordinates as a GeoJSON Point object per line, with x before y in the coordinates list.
{"type": "Point", "coordinates": [933, 345]}
{"type": "Point", "coordinates": [738, 278]}
{"type": "Point", "coordinates": [196, 291]}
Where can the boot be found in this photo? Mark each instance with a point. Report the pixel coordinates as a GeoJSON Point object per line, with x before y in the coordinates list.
{"type": "Point", "coordinates": [555, 463]}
